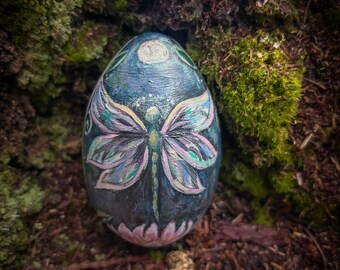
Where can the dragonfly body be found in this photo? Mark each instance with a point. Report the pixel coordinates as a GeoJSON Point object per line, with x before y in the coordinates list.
{"type": "Point", "coordinates": [152, 117]}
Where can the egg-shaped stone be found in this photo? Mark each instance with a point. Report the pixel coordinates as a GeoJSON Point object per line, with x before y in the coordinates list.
{"type": "Point", "coordinates": [151, 148]}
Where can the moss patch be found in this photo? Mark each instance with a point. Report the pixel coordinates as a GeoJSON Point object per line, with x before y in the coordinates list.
{"type": "Point", "coordinates": [87, 44]}
{"type": "Point", "coordinates": [16, 205]}
{"type": "Point", "coordinates": [258, 88]}
{"type": "Point", "coordinates": [59, 137]}
{"type": "Point", "coordinates": [39, 31]}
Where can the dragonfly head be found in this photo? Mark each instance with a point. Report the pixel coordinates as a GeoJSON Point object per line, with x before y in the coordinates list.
{"type": "Point", "coordinates": [152, 115]}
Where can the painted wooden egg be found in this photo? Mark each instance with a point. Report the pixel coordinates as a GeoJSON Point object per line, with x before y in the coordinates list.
{"type": "Point", "coordinates": [151, 147]}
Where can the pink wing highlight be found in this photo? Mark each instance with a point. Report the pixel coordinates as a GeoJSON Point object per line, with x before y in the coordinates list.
{"type": "Point", "coordinates": [192, 114]}
{"type": "Point", "coordinates": [123, 152]}
{"type": "Point", "coordinates": [124, 175]}
{"type": "Point", "coordinates": [180, 174]}
{"type": "Point", "coordinates": [113, 117]}
{"type": "Point", "coordinates": [110, 150]}
{"type": "Point", "coordinates": [183, 149]}
{"type": "Point", "coordinates": [195, 149]}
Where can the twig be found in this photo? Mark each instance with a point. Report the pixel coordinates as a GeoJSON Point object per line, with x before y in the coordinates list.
{"type": "Point", "coordinates": [305, 16]}
{"type": "Point", "coordinates": [335, 162]}
{"type": "Point", "coordinates": [299, 179]}
{"type": "Point", "coordinates": [325, 261]}
{"type": "Point", "coordinates": [276, 266]}
{"type": "Point", "coordinates": [309, 137]}
{"type": "Point", "coordinates": [237, 219]}
{"type": "Point", "coordinates": [315, 83]}
{"type": "Point", "coordinates": [232, 255]}
{"type": "Point", "coordinates": [106, 263]}
{"type": "Point", "coordinates": [306, 141]}
{"type": "Point", "coordinates": [214, 249]}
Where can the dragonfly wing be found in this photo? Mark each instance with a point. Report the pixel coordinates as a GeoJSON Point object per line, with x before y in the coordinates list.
{"type": "Point", "coordinates": [181, 175]}
{"type": "Point", "coordinates": [194, 148]}
{"type": "Point", "coordinates": [122, 153]}
{"type": "Point", "coordinates": [184, 149]}
{"type": "Point", "coordinates": [113, 117]}
{"type": "Point", "coordinates": [111, 150]}
{"type": "Point", "coordinates": [194, 114]}
{"type": "Point", "coordinates": [127, 172]}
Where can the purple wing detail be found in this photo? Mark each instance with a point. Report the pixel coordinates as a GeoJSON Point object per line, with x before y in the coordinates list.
{"type": "Point", "coordinates": [111, 150]}
{"type": "Point", "coordinates": [123, 152]}
{"type": "Point", "coordinates": [184, 150]}
{"type": "Point", "coordinates": [113, 117]}
{"type": "Point", "coordinates": [126, 173]}
{"type": "Point", "coordinates": [194, 114]}
{"type": "Point", "coordinates": [194, 149]}
{"type": "Point", "coordinates": [180, 174]}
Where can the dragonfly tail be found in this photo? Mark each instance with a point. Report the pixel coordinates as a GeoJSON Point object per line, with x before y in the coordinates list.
{"type": "Point", "coordinates": [155, 187]}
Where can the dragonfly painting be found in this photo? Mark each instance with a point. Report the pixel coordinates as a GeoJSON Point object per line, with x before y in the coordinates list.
{"type": "Point", "coordinates": [130, 146]}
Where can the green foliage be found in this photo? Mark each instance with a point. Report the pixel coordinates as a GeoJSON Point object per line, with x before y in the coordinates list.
{"type": "Point", "coordinates": [29, 198]}
{"type": "Point", "coordinates": [16, 204]}
{"type": "Point", "coordinates": [120, 4]}
{"type": "Point", "coordinates": [262, 94]}
{"type": "Point", "coordinates": [38, 21]}
{"type": "Point", "coordinates": [87, 44]}
{"type": "Point", "coordinates": [262, 217]}
{"type": "Point", "coordinates": [317, 212]}
{"type": "Point", "coordinates": [283, 182]}
{"type": "Point", "coordinates": [39, 29]}
{"type": "Point", "coordinates": [56, 129]}
{"type": "Point", "coordinates": [259, 89]}
{"type": "Point", "coordinates": [155, 256]}
{"type": "Point", "coordinates": [248, 180]}
{"type": "Point", "coordinates": [63, 242]}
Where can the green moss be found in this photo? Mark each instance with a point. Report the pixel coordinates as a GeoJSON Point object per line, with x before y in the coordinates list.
{"type": "Point", "coordinates": [15, 206]}
{"type": "Point", "coordinates": [63, 242]}
{"type": "Point", "coordinates": [29, 198]}
{"type": "Point", "coordinates": [248, 180]}
{"type": "Point", "coordinates": [155, 256]}
{"type": "Point", "coordinates": [6, 154]}
{"type": "Point", "coordinates": [283, 182]}
{"type": "Point", "coordinates": [37, 75]}
{"type": "Point", "coordinates": [315, 211]}
{"type": "Point", "coordinates": [120, 4]}
{"type": "Point", "coordinates": [56, 130]}
{"type": "Point", "coordinates": [262, 217]}
{"type": "Point", "coordinates": [39, 29]}
{"type": "Point", "coordinates": [259, 87]}
{"type": "Point", "coordinates": [87, 44]}
{"type": "Point", "coordinates": [262, 96]}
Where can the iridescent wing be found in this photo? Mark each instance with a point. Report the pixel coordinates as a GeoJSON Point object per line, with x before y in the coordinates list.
{"type": "Point", "coordinates": [183, 149]}
{"type": "Point", "coordinates": [122, 153]}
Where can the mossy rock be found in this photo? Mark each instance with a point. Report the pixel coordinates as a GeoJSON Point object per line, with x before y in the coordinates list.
{"type": "Point", "coordinates": [87, 44]}
{"type": "Point", "coordinates": [16, 204]}
{"type": "Point", "coordinates": [259, 88]}
{"type": "Point", "coordinates": [39, 30]}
